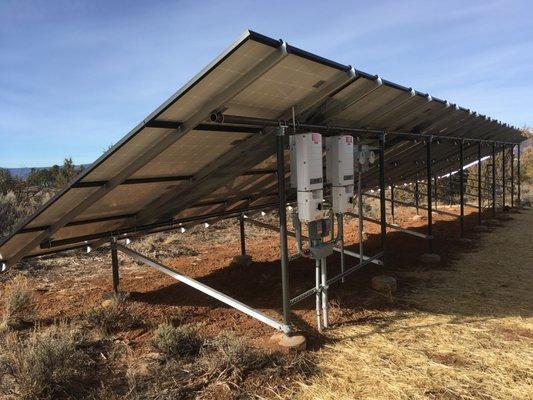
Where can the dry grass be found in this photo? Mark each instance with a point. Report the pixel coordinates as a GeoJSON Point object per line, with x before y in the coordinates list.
{"type": "Point", "coordinates": [182, 341]}
{"type": "Point", "coordinates": [18, 303]}
{"type": "Point", "coordinates": [467, 332]}
{"type": "Point", "coordinates": [113, 316]}
{"type": "Point", "coordinates": [46, 364]}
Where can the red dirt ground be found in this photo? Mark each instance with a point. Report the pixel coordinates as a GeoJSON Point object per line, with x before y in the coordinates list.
{"type": "Point", "coordinates": [160, 298]}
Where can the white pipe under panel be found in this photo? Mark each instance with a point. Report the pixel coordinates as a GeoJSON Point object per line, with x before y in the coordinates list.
{"type": "Point", "coordinates": [206, 289]}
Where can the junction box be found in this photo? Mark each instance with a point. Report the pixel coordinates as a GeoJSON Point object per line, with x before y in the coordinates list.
{"type": "Point", "coordinates": [306, 175]}
{"type": "Point", "coordinates": [339, 172]}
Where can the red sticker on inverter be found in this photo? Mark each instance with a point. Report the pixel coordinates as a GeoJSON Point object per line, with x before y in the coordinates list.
{"type": "Point", "coordinates": [315, 137]}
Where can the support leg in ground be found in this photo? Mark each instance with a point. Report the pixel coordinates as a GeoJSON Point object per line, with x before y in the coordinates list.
{"type": "Point", "coordinates": [318, 296]}
{"type": "Point", "coordinates": [429, 257]}
{"type": "Point", "coordinates": [324, 278]}
{"type": "Point", "coordinates": [115, 294]}
{"type": "Point", "coordinates": [242, 259]}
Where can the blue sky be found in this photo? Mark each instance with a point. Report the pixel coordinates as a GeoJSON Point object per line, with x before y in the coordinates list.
{"type": "Point", "coordinates": [76, 76]}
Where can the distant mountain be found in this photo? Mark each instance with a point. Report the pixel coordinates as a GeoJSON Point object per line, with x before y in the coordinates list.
{"type": "Point", "coordinates": [20, 172]}
{"type": "Point", "coordinates": [24, 172]}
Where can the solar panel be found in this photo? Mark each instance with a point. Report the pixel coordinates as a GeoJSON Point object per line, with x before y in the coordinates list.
{"type": "Point", "coordinates": [178, 166]}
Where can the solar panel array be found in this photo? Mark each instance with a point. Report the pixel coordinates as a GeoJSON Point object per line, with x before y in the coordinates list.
{"type": "Point", "coordinates": [179, 166]}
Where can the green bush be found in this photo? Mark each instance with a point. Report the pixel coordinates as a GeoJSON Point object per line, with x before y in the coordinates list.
{"type": "Point", "coordinates": [18, 303]}
{"type": "Point", "coordinates": [46, 364]}
{"type": "Point", "coordinates": [182, 341]}
{"type": "Point", "coordinates": [113, 317]}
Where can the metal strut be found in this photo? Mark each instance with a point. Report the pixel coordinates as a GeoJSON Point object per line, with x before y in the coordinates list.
{"type": "Point", "coordinates": [114, 264]}
{"type": "Point", "coordinates": [206, 289]}
{"type": "Point", "coordinates": [479, 198]}
{"type": "Point", "coordinates": [462, 187]}
{"type": "Point", "coordinates": [503, 178]}
{"type": "Point", "coordinates": [383, 211]}
{"type": "Point", "coordinates": [284, 252]}
{"type": "Point", "coordinates": [494, 180]}
{"type": "Point", "coordinates": [429, 193]}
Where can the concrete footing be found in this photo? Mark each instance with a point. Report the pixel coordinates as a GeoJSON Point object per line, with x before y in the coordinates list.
{"type": "Point", "coordinates": [290, 342]}
{"type": "Point", "coordinates": [384, 283]}
{"type": "Point", "coordinates": [430, 258]}
{"type": "Point", "coordinates": [243, 259]}
{"type": "Point", "coordinates": [416, 217]}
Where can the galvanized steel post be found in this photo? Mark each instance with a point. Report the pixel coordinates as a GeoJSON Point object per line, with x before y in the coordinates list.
{"type": "Point", "coordinates": [462, 187]}
{"type": "Point", "coordinates": [243, 237]}
{"type": "Point", "coordinates": [503, 178]}
{"type": "Point", "coordinates": [519, 194]}
{"type": "Point", "coordinates": [114, 264]}
{"type": "Point", "coordinates": [436, 192]}
{"type": "Point", "coordinates": [417, 195]}
{"type": "Point", "coordinates": [383, 210]}
{"type": "Point", "coordinates": [392, 201]}
{"type": "Point", "coordinates": [284, 252]}
{"type": "Point", "coordinates": [479, 199]}
{"type": "Point", "coordinates": [512, 175]}
{"type": "Point", "coordinates": [429, 193]}
{"type": "Point", "coordinates": [493, 179]}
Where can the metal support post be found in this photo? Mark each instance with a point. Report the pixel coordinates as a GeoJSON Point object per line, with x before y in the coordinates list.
{"type": "Point", "coordinates": [284, 252]}
{"type": "Point", "coordinates": [429, 193]}
{"type": "Point", "coordinates": [324, 286]}
{"type": "Point", "coordinates": [493, 179]}
{"type": "Point", "coordinates": [479, 198]}
{"type": "Point", "coordinates": [519, 193]}
{"type": "Point", "coordinates": [436, 193]}
{"type": "Point", "coordinates": [243, 237]}
{"type": "Point", "coordinates": [503, 178]}
{"type": "Point", "coordinates": [512, 176]}
{"type": "Point", "coordinates": [449, 190]}
{"type": "Point", "coordinates": [383, 215]}
{"type": "Point", "coordinates": [392, 202]}
{"type": "Point", "coordinates": [360, 220]}
{"type": "Point", "coordinates": [340, 229]}
{"type": "Point", "coordinates": [417, 195]}
{"type": "Point", "coordinates": [318, 296]}
{"type": "Point", "coordinates": [462, 187]}
{"type": "Point", "coordinates": [114, 264]}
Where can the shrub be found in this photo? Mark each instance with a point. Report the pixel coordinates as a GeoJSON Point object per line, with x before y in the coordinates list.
{"type": "Point", "coordinates": [10, 213]}
{"type": "Point", "coordinates": [46, 364]}
{"type": "Point", "coordinates": [113, 317]}
{"type": "Point", "coordinates": [18, 302]}
{"type": "Point", "coordinates": [235, 356]}
{"type": "Point", "coordinates": [182, 341]}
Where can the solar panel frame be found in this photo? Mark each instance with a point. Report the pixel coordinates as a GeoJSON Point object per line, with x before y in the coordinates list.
{"type": "Point", "coordinates": [344, 96]}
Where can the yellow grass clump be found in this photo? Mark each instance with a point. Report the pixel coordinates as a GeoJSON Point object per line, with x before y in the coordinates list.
{"type": "Point", "coordinates": [466, 332]}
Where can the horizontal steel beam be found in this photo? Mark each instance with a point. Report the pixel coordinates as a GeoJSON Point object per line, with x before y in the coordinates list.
{"type": "Point", "coordinates": [168, 225]}
{"type": "Point", "coordinates": [230, 301]}
{"type": "Point", "coordinates": [326, 129]}
{"type": "Point", "coordinates": [127, 216]}
{"type": "Point", "coordinates": [203, 127]}
{"type": "Point", "coordinates": [162, 179]}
